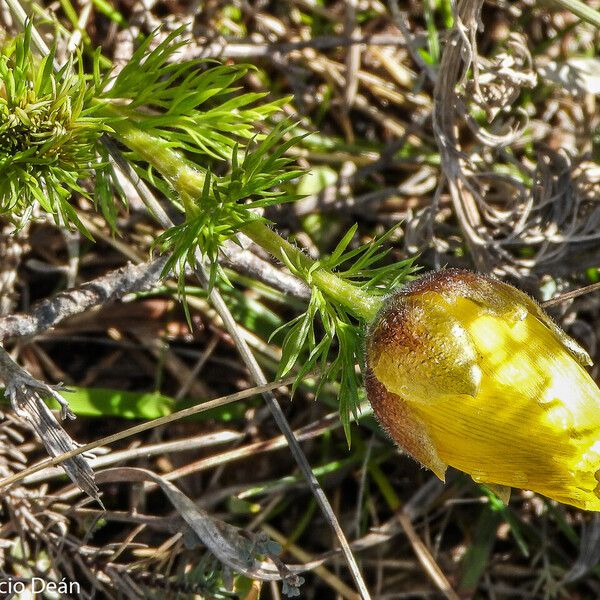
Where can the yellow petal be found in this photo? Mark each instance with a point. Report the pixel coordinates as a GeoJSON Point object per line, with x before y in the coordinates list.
{"type": "Point", "coordinates": [498, 388]}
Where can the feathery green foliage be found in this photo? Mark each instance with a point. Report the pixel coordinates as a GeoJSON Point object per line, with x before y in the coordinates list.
{"type": "Point", "coordinates": [212, 151]}
{"type": "Point", "coordinates": [227, 203]}
{"type": "Point", "coordinates": [196, 106]}
{"type": "Point", "coordinates": [49, 134]}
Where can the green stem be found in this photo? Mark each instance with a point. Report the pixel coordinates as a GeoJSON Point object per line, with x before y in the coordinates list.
{"type": "Point", "coordinates": [582, 10]}
{"type": "Point", "coordinates": [362, 304]}
{"type": "Point", "coordinates": [188, 181]}
{"type": "Point", "coordinates": [180, 173]}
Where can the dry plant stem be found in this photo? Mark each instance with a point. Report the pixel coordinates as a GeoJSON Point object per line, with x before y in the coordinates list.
{"type": "Point", "coordinates": [309, 432]}
{"type": "Point", "coordinates": [104, 289]}
{"type": "Point", "coordinates": [353, 54]}
{"type": "Point", "coordinates": [588, 289]}
{"type": "Point", "coordinates": [145, 451]}
{"type": "Point", "coordinates": [400, 18]}
{"type": "Point", "coordinates": [227, 49]}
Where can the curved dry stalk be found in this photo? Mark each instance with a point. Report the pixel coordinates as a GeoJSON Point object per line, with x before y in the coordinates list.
{"type": "Point", "coordinates": [231, 546]}
{"type": "Point", "coordinates": [499, 213]}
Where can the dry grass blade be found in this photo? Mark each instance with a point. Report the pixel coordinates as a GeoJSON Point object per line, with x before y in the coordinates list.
{"type": "Point", "coordinates": [17, 477]}
{"type": "Point", "coordinates": [146, 451]}
{"type": "Point", "coordinates": [258, 376]}
{"type": "Point", "coordinates": [431, 567]}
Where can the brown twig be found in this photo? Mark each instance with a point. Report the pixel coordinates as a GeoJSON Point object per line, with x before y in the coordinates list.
{"type": "Point", "coordinates": [104, 289]}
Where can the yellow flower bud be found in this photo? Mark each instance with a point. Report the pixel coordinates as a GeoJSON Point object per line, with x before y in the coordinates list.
{"type": "Point", "coordinates": [467, 371]}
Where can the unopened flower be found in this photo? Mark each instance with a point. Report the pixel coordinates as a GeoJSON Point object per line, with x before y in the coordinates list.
{"type": "Point", "coordinates": [467, 371]}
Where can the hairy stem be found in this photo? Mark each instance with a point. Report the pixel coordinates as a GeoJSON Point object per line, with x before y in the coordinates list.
{"type": "Point", "coordinates": [188, 181]}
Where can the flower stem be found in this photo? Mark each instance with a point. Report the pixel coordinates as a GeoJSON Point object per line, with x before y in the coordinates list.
{"type": "Point", "coordinates": [188, 180]}
{"type": "Point", "coordinates": [362, 304]}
